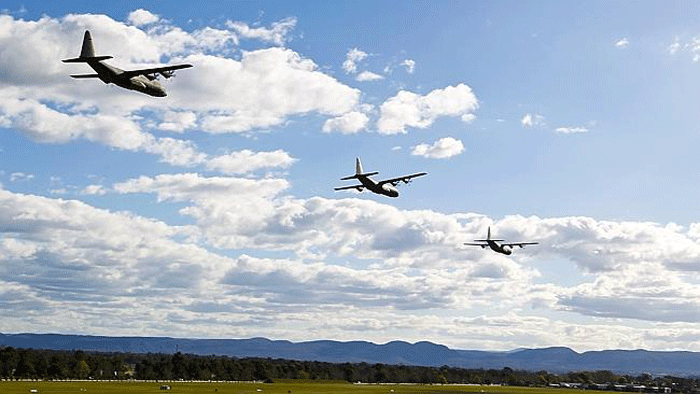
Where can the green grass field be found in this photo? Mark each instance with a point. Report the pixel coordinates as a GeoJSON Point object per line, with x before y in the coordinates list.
{"type": "Point", "coordinates": [294, 387]}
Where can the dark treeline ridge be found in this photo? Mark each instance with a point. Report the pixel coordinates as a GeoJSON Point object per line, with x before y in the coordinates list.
{"type": "Point", "coordinates": [57, 365]}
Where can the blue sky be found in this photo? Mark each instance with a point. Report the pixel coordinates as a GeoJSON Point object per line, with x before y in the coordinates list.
{"type": "Point", "coordinates": [211, 212]}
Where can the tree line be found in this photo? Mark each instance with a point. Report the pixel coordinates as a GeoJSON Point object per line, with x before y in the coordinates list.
{"type": "Point", "coordinates": [56, 365]}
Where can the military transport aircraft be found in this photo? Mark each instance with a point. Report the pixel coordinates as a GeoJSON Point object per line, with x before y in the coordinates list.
{"type": "Point", "coordinates": [386, 187]}
{"type": "Point", "coordinates": [505, 248]}
{"type": "Point", "coordinates": [143, 80]}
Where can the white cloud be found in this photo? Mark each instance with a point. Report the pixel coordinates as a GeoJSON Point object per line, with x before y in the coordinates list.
{"type": "Point", "coordinates": [675, 47]}
{"type": "Point", "coordinates": [246, 161]}
{"type": "Point", "coordinates": [277, 34]}
{"type": "Point", "coordinates": [178, 121]}
{"type": "Point", "coordinates": [406, 275]}
{"type": "Point", "coordinates": [348, 123]}
{"type": "Point", "coordinates": [692, 47]}
{"type": "Point", "coordinates": [468, 118]}
{"type": "Point", "coordinates": [98, 190]}
{"type": "Point", "coordinates": [20, 176]}
{"type": "Point", "coordinates": [442, 149]}
{"type": "Point", "coordinates": [410, 65]}
{"type": "Point", "coordinates": [532, 120]}
{"type": "Point", "coordinates": [410, 109]}
{"type": "Point", "coordinates": [622, 43]}
{"type": "Point", "coordinates": [571, 130]}
{"type": "Point", "coordinates": [352, 58]}
{"type": "Point", "coordinates": [273, 84]}
{"type": "Point", "coordinates": [378, 272]}
{"type": "Point", "coordinates": [368, 76]}
{"type": "Point", "coordinates": [277, 83]}
{"type": "Point", "coordinates": [142, 17]}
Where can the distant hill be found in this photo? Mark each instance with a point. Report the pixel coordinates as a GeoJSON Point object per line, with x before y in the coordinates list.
{"type": "Point", "coordinates": [554, 359]}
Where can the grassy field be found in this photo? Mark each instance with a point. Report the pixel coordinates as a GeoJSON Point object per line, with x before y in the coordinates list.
{"type": "Point", "coordinates": [293, 387]}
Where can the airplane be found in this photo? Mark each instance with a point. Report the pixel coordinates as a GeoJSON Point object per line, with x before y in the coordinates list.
{"type": "Point", "coordinates": [386, 187]}
{"type": "Point", "coordinates": [143, 80]}
{"type": "Point", "coordinates": [505, 248]}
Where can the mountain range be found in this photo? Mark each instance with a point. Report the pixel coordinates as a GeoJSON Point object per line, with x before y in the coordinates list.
{"type": "Point", "coordinates": [553, 359]}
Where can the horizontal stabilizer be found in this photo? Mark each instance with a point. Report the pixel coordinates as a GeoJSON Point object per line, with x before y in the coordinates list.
{"type": "Point", "coordinates": [86, 59]}
{"type": "Point", "coordinates": [358, 175]}
{"type": "Point", "coordinates": [358, 187]}
{"type": "Point", "coordinates": [486, 240]}
{"type": "Point", "coordinates": [84, 76]}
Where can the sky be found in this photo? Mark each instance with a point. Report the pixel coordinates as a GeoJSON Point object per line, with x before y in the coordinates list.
{"type": "Point", "coordinates": [210, 213]}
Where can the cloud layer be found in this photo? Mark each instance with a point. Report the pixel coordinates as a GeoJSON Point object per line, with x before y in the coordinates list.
{"type": "Point", "coordinates": [392, 273]}
{"type": "Point", "coordinates": [238, 254]}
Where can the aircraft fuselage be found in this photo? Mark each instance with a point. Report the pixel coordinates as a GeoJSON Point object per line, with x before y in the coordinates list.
{"type": "Point", "coordinates": [384, 189]}
{"type": "Point", "coordinates": [499, 248]}
{"type": "Point", "coordinates": [140, 83]}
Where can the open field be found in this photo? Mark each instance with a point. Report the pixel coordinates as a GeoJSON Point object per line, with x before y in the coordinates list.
{"type": "Point", "coordinates": [293, 387]}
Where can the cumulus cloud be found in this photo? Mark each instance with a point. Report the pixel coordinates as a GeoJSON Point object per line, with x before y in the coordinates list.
{"type": "Point", "coordinates": [20, 176]}
{"type": "Point", "coordinates": [442, 149]}
{"type": "Point", "coordinates": [400, 270]}
{"type": "Point", "coordinates": [178, 121]}
{"type": "Point", "coordinates": [571, 130]}
{"type": "Point", "coordinates": [532, 120]}
{"type": "Point", "coordinates": [277, 83]}
{"type": "Point", "coordinates": [277, 34]}
{"type": "Point", "coordinates": [349, 123]}
{"type": "Point", "coordinates": [410, 65]}
{"type": "Point", "coordinates": [246, 161]}
{"type": "Point", "coordinates": [352, 58]}
{"type": "Point", "coordinates": [94, 190]}
{"type": "Point", "coordinates": [691, 46]}
{"type": "Point", "coordinates": [273, 84]}
{"type": "Point", "coordinates": [622, 43]}
{"type": "Point", "coordinates": [675, 47]}
{"type": "Point", "coordinates": [142, 17]}
{"type": "Point", "coordinates": [368, 76]}
{"type": "Point", "coordinates": [408, 109]}
{"type": "Point", "coordinates": [360, 267]}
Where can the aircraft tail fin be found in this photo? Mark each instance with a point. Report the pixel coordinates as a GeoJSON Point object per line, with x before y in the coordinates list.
{"type": "Point", "coordinates": [488, 237]}
{"type": "Point", "coordinates": [358, 166]}
{"type": "Point", "coordinates": [358, 171]}
{"type": "Point", "coordinates": [88, 49]}
{"type": "Point", "coordinates": [87, 52]}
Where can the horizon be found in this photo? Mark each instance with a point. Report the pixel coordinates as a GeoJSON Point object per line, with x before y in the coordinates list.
{"type": "Point", "coordinates": [211, 212]}
{"type": "Point", "coordinates": [355, 340]}
{"type": "Point", "coordinates": [359, 341]}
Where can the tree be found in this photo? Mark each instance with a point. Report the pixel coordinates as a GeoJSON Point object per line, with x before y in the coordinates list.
{"type": "Point", "coordinates": [82, 370]}
{"type": "Point", "coordinates": [25, 365]}
{"type": "Point", "coordinates": [8, 358]}
{"type": "Point", "coordinates": [57, 367]}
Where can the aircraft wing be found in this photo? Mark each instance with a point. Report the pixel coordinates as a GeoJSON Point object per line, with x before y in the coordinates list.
{"type": "Point", "coordinates": [521, 244]}
{"type": "Point", "coordinates": [476, 244]}
{"type": "Point", "coordinates": [404, 179]}
{"type": "Point", "coordinates": [165, 71]}
{"type": "Point", "coordinates": [358, 187]}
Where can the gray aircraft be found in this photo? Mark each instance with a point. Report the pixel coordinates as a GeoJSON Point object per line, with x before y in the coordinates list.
{"type": "Point", "coordinates": [505, 248]}
{"type": "Point", "coordinates": [143, 80]}
{"type": "Point", "coordinates": [386, 187]}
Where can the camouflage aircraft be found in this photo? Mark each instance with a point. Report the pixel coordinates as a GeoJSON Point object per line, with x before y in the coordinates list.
{"type": "Point", "coordinates": [504, 248]}
{"type": "Point", "coordinates": [385, 187]}
{"type": "Point", "coordinates": [143, 80]}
